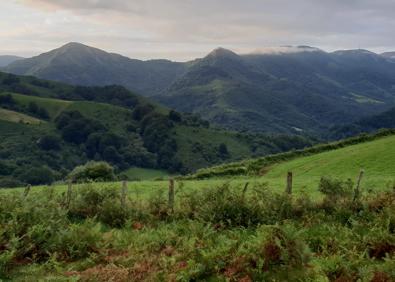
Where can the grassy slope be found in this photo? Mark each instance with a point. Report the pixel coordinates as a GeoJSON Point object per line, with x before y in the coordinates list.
{"type": "Point", "coordinates": [210, 139]}
{"type": "Point", "coordinates": [53, 106]}
{"type": "Point", "coordinates": [375, 157]}
{"type": "Point", "coordinates": [12, 116]}
{"type": "Point", "coordinates": [139, 173]}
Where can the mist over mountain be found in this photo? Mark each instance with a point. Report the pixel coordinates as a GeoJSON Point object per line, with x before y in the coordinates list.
{"type": "Point", "coordinates": [389, 55]}
{"type": "Point", "coordinates": [287, 89]}
{"type": "Point", "coordinates": [8, 59]}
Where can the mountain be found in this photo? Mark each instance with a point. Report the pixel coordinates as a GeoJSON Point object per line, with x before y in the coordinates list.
{"type": "Point", "coordinates": [8, 59]}
{"type": "Point", "coordinates": [304, 90]}
{"type": "Point", "coordinates": [385, 120]}
{"type": "Point", "coordinates": [59, 126]}
{"type": "Point", "coordinates": [390, 55]}
{"type": "Point", "coordinates": [78, 64]}
{"type": "Point", "coordinates": [287, 90]}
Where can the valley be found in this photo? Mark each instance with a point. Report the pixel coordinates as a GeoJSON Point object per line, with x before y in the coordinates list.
{"type": "Point", "coordinates": [194, 141]}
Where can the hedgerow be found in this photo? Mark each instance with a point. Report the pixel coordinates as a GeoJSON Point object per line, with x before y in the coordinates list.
{"type": "Point", "coordinates": [256, 166]}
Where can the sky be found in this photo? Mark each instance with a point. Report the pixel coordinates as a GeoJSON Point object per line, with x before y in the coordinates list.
{"type": "Point", "coordinates": [182, 30]}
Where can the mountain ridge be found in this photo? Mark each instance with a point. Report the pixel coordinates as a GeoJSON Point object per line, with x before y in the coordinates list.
{"type": "Point", "coordinates": [8, 59]}
{"type": "Point", "coordinates": [303, 88]}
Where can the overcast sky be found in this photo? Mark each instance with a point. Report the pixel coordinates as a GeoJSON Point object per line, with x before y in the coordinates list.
{"type": "Point", "coordinates": [186, 29]}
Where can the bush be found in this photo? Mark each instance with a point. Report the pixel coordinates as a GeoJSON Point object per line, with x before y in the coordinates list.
{"type": "Point", "coordinates": [104, 204]}
{"type": "Point", "coordinates": [223, 206]}
{"type": "Point", "coordinates": [49, 142]}
{"type": "Point", "coordinates": [37, 176]}
{"type": "Point", "coordinates": [92, 171]}
{"type": "Point", "coordinates": [9, 182]}
{"type": "Point", "coordinates": [335, 188]}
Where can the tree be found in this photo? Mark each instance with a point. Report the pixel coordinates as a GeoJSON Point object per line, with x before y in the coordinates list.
{"type": "Point", "coordinates": [37, 176]}
{"type": "Point", "coordinates": [111, 154]}
{"type": "Point", "coordinates": [49, 142]}
{"type": "Point", "coordinates": [43, 113]}
{"type": "Point", "coordinates": [32, 108]}
{"type": "Point", "coordinates": [92, 171]}
{"type": "Point", "coordinates": [175, 116]}
{"type": "Point", "coordinates": [223, 150]}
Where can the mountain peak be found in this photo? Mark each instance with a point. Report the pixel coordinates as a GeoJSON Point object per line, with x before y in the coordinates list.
{"type": "Point", "coordinates": [75, 45]}
{"type": "Point", "coordinates": [222, 52]}
{"type": "Point", "coordinates": [354, 52]}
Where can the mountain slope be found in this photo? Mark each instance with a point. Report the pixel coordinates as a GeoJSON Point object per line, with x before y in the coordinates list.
{"type": "Point", "coordinates": [8, 59]}
{"type": "Point", "coordinates": [44, 123]}
{"type": "Point", "coordinates": [75, 63]}
{"type": "Point", "coordinates": [299, 89]}
{"type": "Point", "coordinates": [369, 124]}
{"type": "Point", "coordinates": [343, 159]}
{"type": "Point", "coordinates": [389, 55]}
{"type": "Point", "coordinates": [287, 92]}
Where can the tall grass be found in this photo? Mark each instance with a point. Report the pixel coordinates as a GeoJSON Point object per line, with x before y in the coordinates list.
{"type": "Point", "coordinates": [218, 233]}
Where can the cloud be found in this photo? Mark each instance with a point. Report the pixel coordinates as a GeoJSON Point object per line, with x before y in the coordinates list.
{"type": "Point", "coordinates": [196, 26]}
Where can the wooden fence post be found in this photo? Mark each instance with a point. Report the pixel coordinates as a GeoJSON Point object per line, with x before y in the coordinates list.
{"type": "Point", "coordinates": [357, 188]}
{"type": "Point", "coordinates": [245, 189]}
{"type": "Point", "coordinates": [171, 194]}
{"type": "Point", "coordinates": [69, 191]}
{"type": "Point", "coordinates": [27, 190]}
{"type": "Point", "coordinates": [288, 189]}
{"type": "Point", "coordinates": [124, 193]}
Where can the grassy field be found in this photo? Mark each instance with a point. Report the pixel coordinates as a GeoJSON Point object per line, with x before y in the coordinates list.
{"type": "Point", "coordinates": [214, 232]}
{"type": "Point", "coordinates": [374, 157]}
{"type": "Point", "coordinates": [138, 173]}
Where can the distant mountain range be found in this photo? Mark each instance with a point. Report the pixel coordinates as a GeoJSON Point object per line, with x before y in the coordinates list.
{"type": "Point", "coordinates": [8, 59]}
{"type": "Point", "coordinates": [390, 55]}
{"type": "Point", "coordinates": [295, 89]}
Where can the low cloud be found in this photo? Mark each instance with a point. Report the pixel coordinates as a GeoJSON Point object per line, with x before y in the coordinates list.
{"type": "Point", "coordinates": [196, 26]}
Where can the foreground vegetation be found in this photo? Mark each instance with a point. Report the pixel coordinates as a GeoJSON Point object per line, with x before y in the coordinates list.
{"type": "Point", "coordinates": [227, 232]}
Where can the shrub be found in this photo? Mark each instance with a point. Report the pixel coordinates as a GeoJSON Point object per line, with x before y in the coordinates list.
{"type": "Point", "coordinates": [92, 171]}
{"type": "Point", "coordinates": [49, 142]}
{"type": "Point", "coordinates": [335, 188]}
{"type": "Point", "coordinates": [9, 182]}
{"type": "Point", "coordinates": [223, 206]}
{"type": "Point", "coordinates": [104, 204]}
{"type": "Point", "coordinates": [37, 176]}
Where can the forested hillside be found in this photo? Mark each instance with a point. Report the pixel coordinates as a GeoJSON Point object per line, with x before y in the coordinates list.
{"type": "Point", "coordinates": [297, 89]}
{"type": "Point", "coordinates": [49, 128]}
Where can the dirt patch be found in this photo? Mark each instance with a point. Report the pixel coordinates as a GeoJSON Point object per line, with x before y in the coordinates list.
{"type": "Point", "coordinates": [104, 273]}
{"type": "Point", "coordinates": [264, 170]}
{"type": "Point", "coordinates": [271, 253]}
{"type": "Point", "coordinates": [380, 250]}
{"type": "Point", "coordinates": [381, 277]}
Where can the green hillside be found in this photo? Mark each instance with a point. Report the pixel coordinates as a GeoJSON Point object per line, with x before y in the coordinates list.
{"type": "Point", "coordinates": [49, 128]}
{"type": "Point", "coordinates": [17, 117]}
{"type": "Point", "coordinates": [344, 159]}
{"type": "Point", "coordinates": [375, 157]}
{"type": "Point", "coordinates": [306, 89]}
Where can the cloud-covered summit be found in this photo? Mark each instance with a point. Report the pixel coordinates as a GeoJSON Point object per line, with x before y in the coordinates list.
{"type": "Point", "coordinates": [183, 30]}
